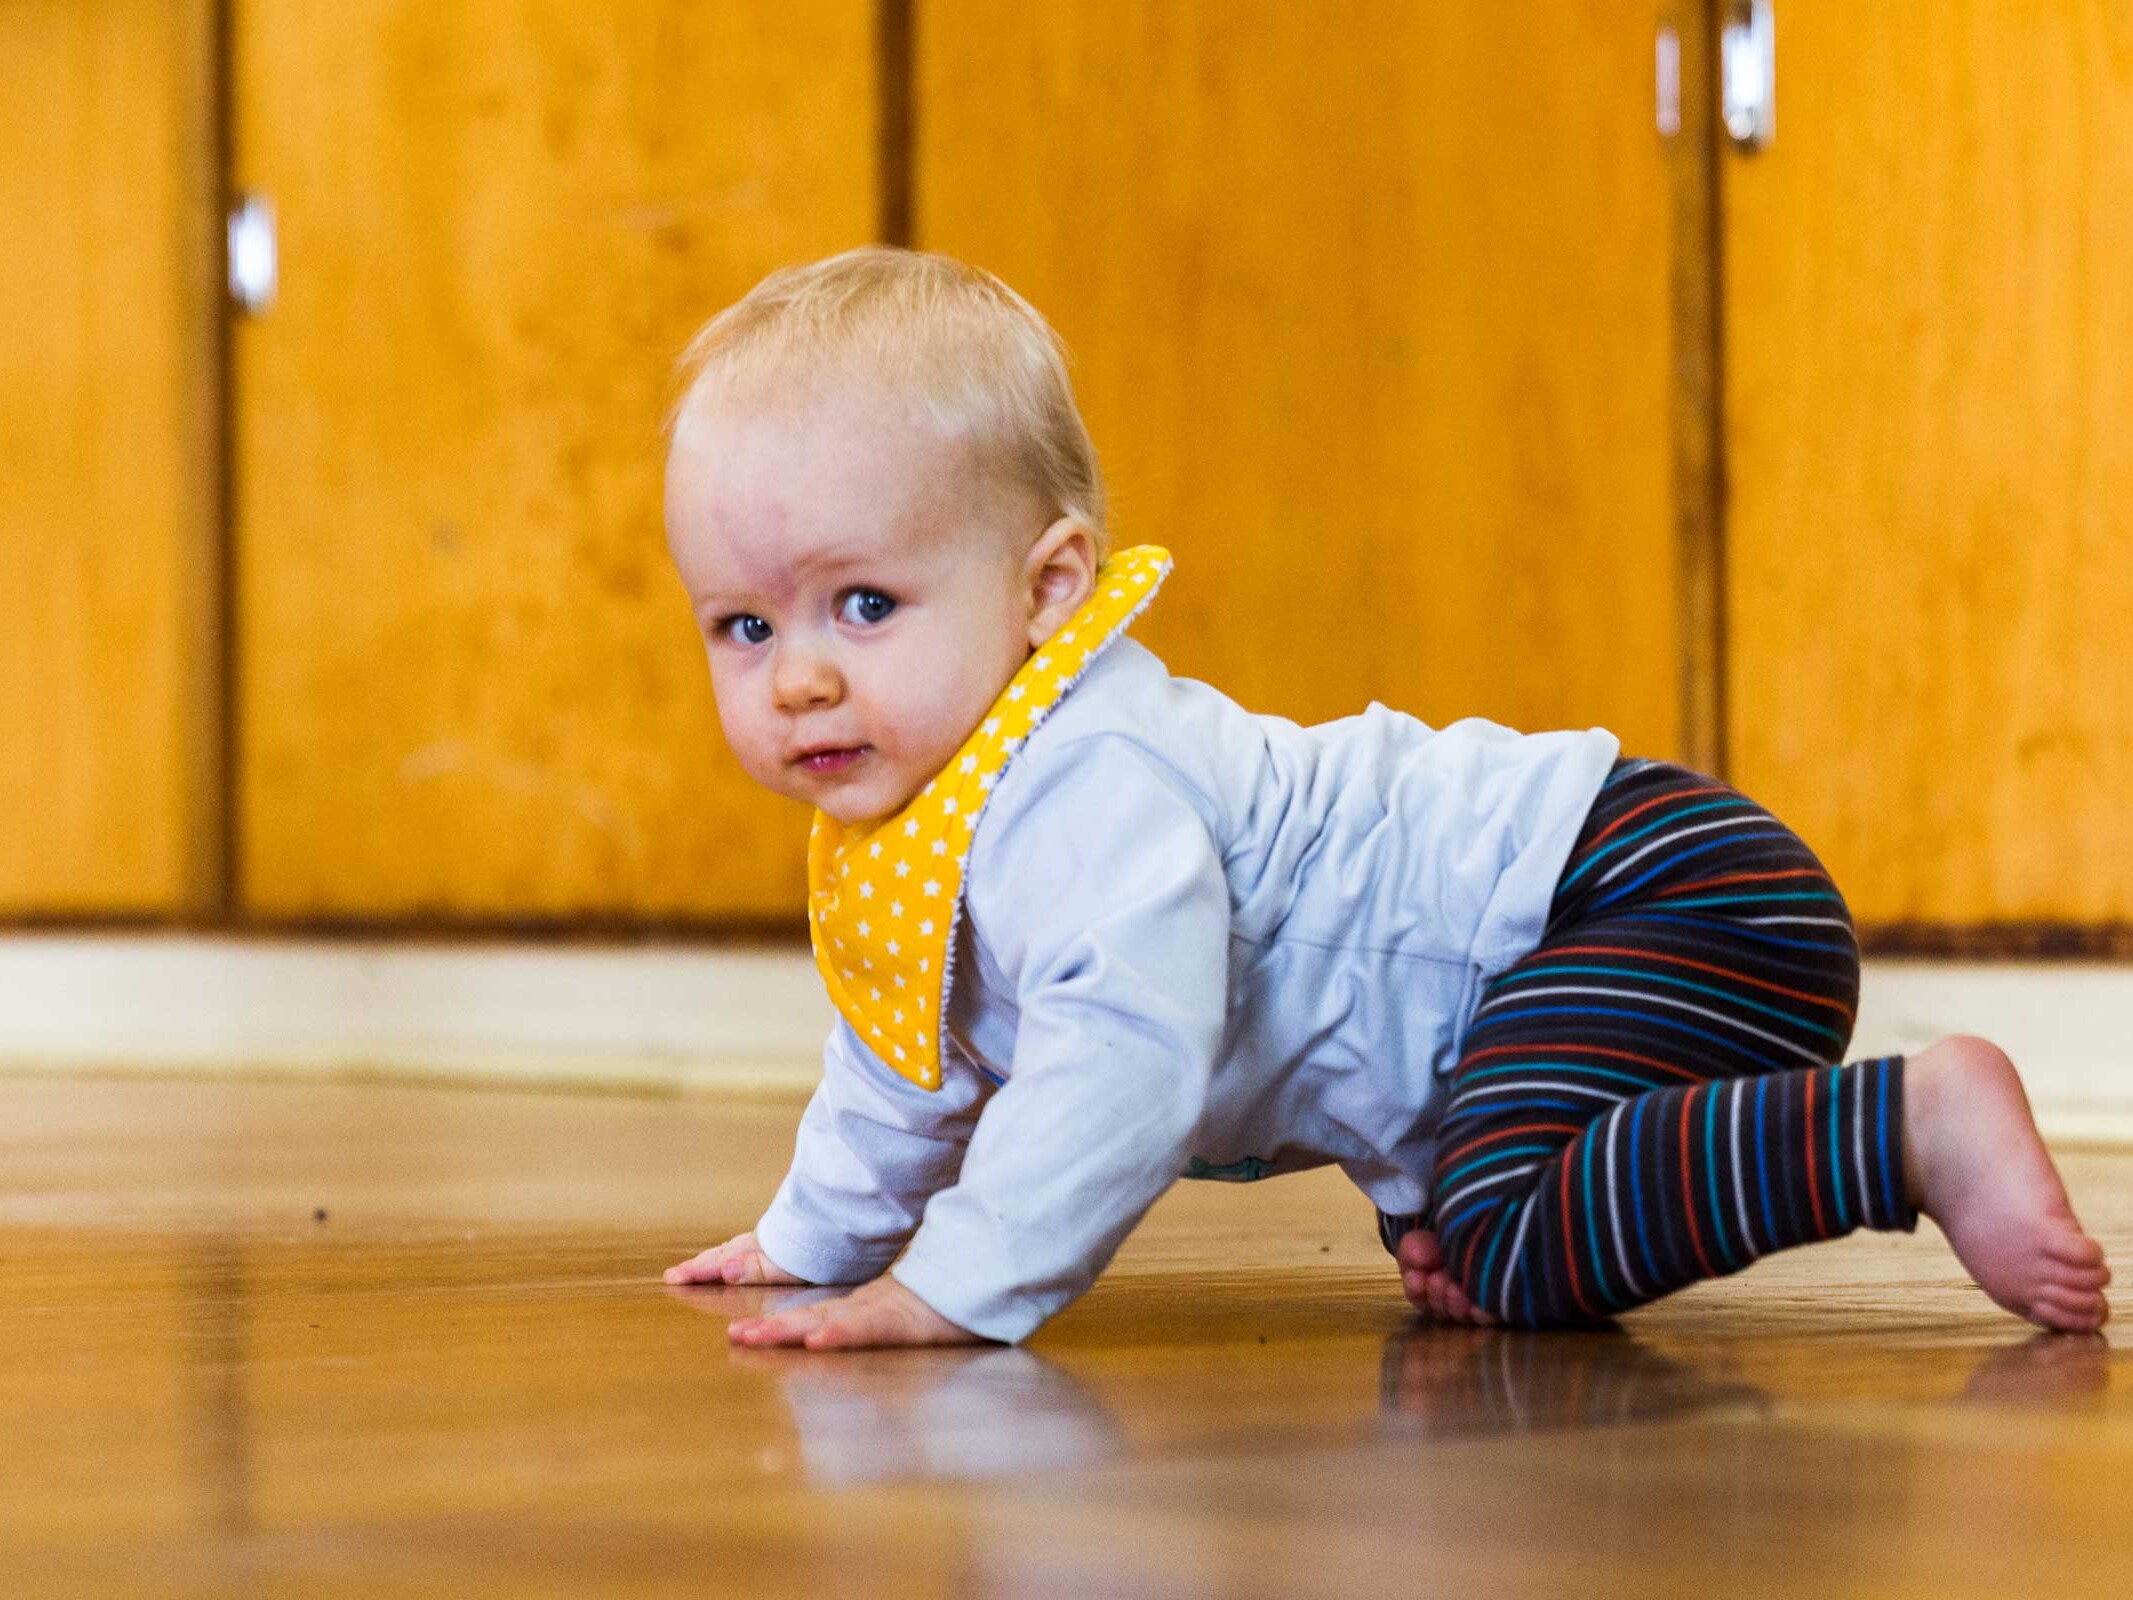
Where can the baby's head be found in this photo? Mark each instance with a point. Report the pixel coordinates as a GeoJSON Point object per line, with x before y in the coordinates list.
{"type": "Point", "coordinates": [881, 499]}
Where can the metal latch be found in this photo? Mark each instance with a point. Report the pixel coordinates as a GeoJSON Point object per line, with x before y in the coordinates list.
{"type": "Point", "coordinates": [1747, 54]}
{"type": "Point", "coordinates": [254, 256]}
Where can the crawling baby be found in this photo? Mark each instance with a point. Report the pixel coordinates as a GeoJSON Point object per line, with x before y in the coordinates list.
{"type": "Point", "coordinates": [1573, 1021]}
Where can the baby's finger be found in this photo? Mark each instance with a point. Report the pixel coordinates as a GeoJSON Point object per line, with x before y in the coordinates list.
{"type": "Point", "coordinates": [746, 1266]}
{"type": "Point", "coordinates": [706, 1266]}
{"type": "Point", "coordinates": [854, 1326]}
{"type": "Point", "coordinates": [789, 1327]}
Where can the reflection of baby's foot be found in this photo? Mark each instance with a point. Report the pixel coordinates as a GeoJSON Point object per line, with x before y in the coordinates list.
{"type": "Point", "coordinates": [1434, 1370]}
{"type": "Point", "coordinates": [1976, 1165]}
{"type": "Point", "coordinates": [2044, 1369]}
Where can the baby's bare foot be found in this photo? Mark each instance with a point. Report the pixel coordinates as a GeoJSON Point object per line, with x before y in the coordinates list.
{"type": "Point", "coordinates": [1429, 1287]}
{"type": "Point", "coordinates": [1976, 1165]}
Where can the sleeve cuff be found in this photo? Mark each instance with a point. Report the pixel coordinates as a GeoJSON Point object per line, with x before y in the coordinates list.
{"type": "Point", "coordinates": [988, 1315]}
{"type": "Point", "coordinates": [818, 1260]}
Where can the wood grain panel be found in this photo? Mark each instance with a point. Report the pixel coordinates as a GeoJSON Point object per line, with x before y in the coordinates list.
{"type": "Point", "coordinates": [109, 754]}
{"type": "Point", "coordinates": [470, 686]}
{"type": "Point", "coordinates": [1929, 291]}
{"type": "Point", "coordinates": [1369, 305]}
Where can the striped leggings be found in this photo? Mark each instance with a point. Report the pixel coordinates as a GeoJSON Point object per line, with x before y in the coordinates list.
{"type": "Point", "coordinates": [1651, 1096]}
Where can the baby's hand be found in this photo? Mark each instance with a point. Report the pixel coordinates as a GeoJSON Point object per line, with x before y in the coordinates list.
{"type": "Point", "coordinates": [874, 1315]}
{"type": "Point", "coordinates": [736, 1261]}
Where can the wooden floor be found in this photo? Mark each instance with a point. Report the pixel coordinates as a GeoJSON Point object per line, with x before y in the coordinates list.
{"type": "Point", "coordinates": [300, 1339]}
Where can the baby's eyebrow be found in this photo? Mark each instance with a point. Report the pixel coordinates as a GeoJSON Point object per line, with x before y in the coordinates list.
{"type": "Point", "coordinates": [827, 564]}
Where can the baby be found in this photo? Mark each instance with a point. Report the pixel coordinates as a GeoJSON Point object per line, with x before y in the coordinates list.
{"type": "Point", "coordinates": [1572, 1022]}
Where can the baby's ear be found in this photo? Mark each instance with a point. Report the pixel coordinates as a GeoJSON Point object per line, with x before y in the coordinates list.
{"type": "Point", "coordinates": [1060, 574]}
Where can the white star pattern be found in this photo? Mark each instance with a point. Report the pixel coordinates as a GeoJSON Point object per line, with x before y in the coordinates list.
{"type": "Point", "coordinates": [866, 891]}
{"type": "Point", "coordinates": [896, 908]}
{"type": "Point", "coordinates": [933, 888]}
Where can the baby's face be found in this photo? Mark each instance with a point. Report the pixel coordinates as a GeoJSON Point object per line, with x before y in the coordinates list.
{"type": "Point", "coordinates": [862, 589]}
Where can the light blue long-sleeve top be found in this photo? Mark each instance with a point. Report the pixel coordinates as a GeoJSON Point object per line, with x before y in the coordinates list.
{"type": "Point", "coordinates": [1194, 941]}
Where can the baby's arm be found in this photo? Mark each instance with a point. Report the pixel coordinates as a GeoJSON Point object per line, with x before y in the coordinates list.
{"type": "Point", "coordinates": [872, 1147]}
{"type": "Point", "coordinates": [1112, 921]}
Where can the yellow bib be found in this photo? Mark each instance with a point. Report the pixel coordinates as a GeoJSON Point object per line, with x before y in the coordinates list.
{"type": "Point", "coordinates": [883, 898]}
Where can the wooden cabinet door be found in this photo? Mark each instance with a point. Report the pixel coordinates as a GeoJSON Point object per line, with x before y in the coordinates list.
{"type": "Point", "coordinates": [1369, 310]}
{"type": "Point", "coordinates": [468, 685]}
{"type": "Point", "coordinates": [110, 754]}
{"type": "Point", "coordinates": [1928, 290]}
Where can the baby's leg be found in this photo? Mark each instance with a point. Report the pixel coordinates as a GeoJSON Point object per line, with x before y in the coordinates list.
{"type": "Point", "coordinates": [1645, 1099]}
{"type": "Point", "coordinates": [1677, 1185]}
{"type": "Point", "coordinates": [1667, 1187]}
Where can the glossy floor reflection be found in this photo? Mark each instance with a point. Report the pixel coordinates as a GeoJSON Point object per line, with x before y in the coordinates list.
{"type": "Point", "coordinates": [269, 1339]}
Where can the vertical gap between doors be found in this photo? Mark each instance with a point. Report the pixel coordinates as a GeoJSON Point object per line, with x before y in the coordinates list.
{"type": "Point", "coordinates": [895, 127]}
{"type": "Point", "coordinates": [1696, 281]}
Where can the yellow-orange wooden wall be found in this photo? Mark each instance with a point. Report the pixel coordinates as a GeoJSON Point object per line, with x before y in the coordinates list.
{"type": "Point", "coordinates": [1386, 320]}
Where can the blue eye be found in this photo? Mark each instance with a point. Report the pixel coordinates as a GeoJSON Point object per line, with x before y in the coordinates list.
{"type": "Point", "coordinates": [745, 629]}
{"type": "Point", "coordinates": [867, 606]}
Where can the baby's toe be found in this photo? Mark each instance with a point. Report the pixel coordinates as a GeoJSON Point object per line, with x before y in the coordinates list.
{"type": "Point", "coordinates": [2072, 1248]}
{"type": "Point", "coordinates": [2087, 1279]}
{"type": "Point", "coordinates": [2072, 1310]}
{"type": "Point", "coordinates": [1418, 1249]}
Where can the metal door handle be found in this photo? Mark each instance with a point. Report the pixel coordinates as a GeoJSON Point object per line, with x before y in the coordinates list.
{"type": "Point", "coordinates": [254, 254]}
{"type": "Point", "coordinates": [1747, 52]}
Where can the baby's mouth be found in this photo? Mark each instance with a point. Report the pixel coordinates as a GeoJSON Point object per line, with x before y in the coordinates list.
{"type": "Point", "coordinates": [824, 761]}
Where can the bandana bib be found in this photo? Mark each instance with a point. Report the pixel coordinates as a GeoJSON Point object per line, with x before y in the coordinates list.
{"type": "Point", "coordinates": [882, 898]}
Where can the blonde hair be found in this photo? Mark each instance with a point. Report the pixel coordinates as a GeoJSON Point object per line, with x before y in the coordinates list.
{"type": "Point", "coordinates": [982, 361]}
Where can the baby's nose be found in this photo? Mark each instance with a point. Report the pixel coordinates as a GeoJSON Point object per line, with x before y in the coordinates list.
{"type": "Point", "coordinates": [807, 679]}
